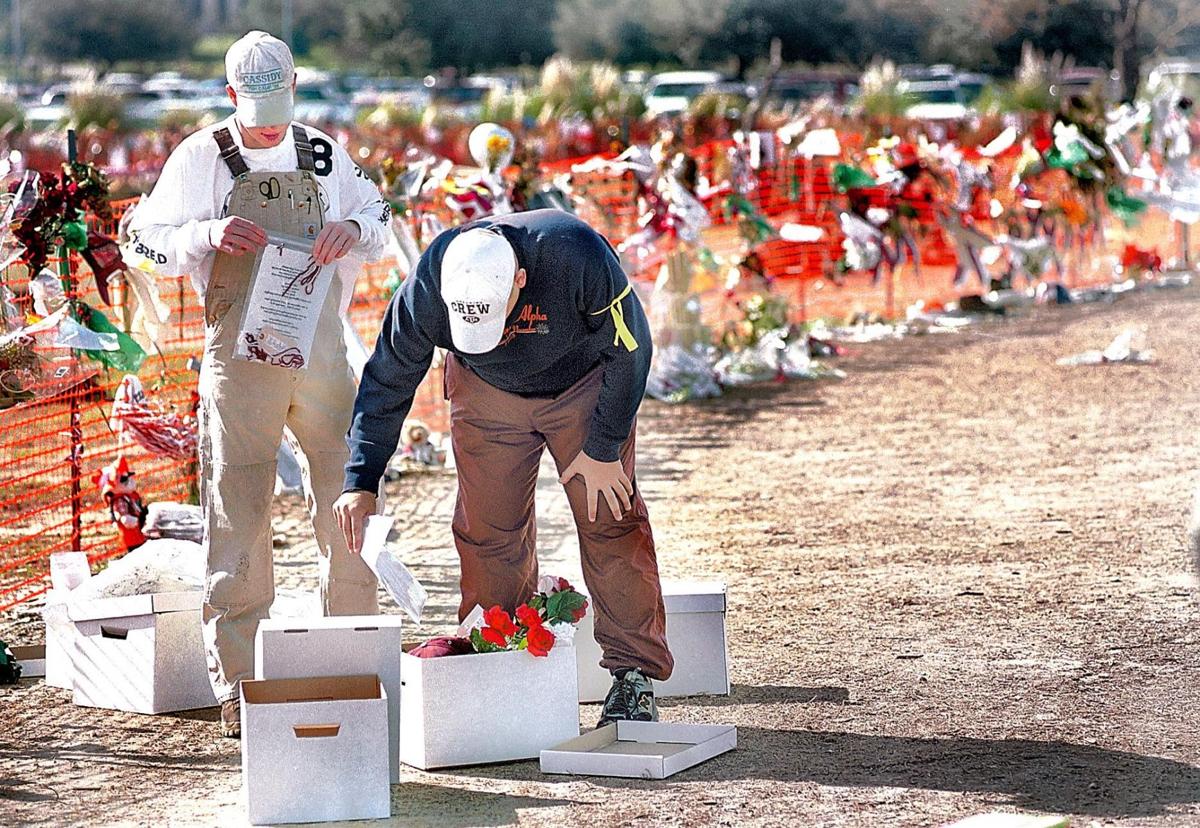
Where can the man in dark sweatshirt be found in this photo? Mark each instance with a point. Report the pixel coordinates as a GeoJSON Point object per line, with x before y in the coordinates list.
{"type": "Point", "coordinates": [549, 348]}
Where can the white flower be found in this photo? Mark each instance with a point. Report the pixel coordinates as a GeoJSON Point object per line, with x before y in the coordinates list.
{"type": "Point", "coordinates": [547, 584]}
{"type": "Point", "coordinates": [564, 632]}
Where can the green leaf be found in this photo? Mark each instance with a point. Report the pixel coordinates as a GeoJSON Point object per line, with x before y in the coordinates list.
{"type": "Point", "coordinates": [848, 177]}
{"type": "Point", "coordinates": [480, 645]}
{"type": "Point", "coordinates": [561, 606]}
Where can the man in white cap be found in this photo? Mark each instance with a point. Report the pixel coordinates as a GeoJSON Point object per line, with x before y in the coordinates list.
{"type": "Point", "coordinates": [220, 193]}
{"type": "Point", "coordinates": [549, 349]}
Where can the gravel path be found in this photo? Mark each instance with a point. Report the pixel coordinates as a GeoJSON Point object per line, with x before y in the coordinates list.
{"type": "Point", "coordinates": [957, 583]}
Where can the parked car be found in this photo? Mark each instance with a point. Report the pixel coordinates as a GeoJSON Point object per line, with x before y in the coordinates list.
{"type": "Point", "coordinates": [319, 99]}
{"type": "Point", "coordinates": [669, 93]}
{"type": "Point", "coordinates": [920, 72]}
{"type": "Point", "coordinates": [122, 83]}
{"type": "Point", "coordinates": [462, 96]}
{"type": "Point", "coordinates": [371, 92]}
{"type": "Point", "coordinates": [1081, 80]}
{"type": "Point", "coordinates": [938, 100]}
{"type": "Point", "coordinates": [48, 108]}
{"type": "Point", "coordinates": [972, 84]}
{"type": "Point", "coordinates": [800, 87]}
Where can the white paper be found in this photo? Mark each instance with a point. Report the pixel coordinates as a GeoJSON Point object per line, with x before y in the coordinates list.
{"type": "Point", "coordinates": [68, 570]}
{"type": "Point", "coordinates": [406, 590]}
{"type": "Point", "coordinates": [474, 619]}
{"type": "Point", "coordinates": [288, 290]}
{"type": "Point", "coordinates": [803, 233]}
{"type": "Point", "coordinates": [820, 142]}
{"type": "Point", "coordinates": [73, 335]}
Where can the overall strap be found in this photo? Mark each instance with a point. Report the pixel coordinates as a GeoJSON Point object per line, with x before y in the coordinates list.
{"type": "Point", "coordinates": [304, 149]}
{"type": "Point", "coordinates": [230, 154]}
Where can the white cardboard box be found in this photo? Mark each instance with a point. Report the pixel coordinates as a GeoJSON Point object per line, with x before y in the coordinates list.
{"type": "Point", "coordinates": [695, 635]}
{"type": "Point", "coordinates": [315, 749]}
{"type": "Point", "coordinates": [347, 645]}
{"type": "Point", "coordinates": [639, 750]}
{"type": "Point", "coordinates": [140, 653]}
{"type": "Point", "coordinates": [486, 707]}
{"type": "Point", "coordinates": [60, 641]}
{"type": "Point", "coordinates": [32, 660]}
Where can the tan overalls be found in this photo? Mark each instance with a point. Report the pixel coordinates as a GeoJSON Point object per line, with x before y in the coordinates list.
{"type": "Point", "coordinates": [244, 407]}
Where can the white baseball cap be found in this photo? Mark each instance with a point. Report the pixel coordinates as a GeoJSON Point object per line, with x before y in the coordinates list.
{"type": "Point", "coordinates": [478, 267]}
{"type": "Point", "coordinates": [260, 69]}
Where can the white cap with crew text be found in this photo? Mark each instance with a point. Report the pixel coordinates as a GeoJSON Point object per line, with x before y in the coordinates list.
{"type": "Point", "coordinates": [260, 69]}
{"type": "Point", "coordinates": [478, 267]}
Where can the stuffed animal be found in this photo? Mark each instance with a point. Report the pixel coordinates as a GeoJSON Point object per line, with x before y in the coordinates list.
{"type": "Point", "coordinates": [125, 507]}
{"type": "Point", "coordinates": [418, 448]}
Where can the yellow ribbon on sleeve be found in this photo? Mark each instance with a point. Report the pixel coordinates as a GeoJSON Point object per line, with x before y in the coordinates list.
{"type": "Point", "coordinates": [623, 335]}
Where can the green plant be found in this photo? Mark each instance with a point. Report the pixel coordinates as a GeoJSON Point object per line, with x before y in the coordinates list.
{"type": "Point", "coordinates": [880, 94]}
{"type": "Point", "coordinates": [504, 107]}
{"type": "Point", "coordinates": [718, 105]}
{"type": "Point", "coordinates": [594, 90]}
{"type": "Point", "coordinates": [96, 108]}
{"type": "Point", "coordinates": [391, 114]}
{"type": "Point", "coordinates": [12, 117]}
{"type": "Point", "coordinates": [1032, 87]}
{"type": "Point", "coordinates": [184, 119]}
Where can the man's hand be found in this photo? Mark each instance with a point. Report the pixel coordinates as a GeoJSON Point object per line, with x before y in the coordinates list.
{"type": "Point", "coordinates": [236, 235]}
{"type": "Point", "coordinates": [335, 241]}
{"type": "Point", "coordinates": [606, 479]}
{"type": "Point", "coordinates": [352, 510]}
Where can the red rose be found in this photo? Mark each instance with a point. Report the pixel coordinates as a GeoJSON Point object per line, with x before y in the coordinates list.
{"type": "Point", "coordinates": [500, 620]}
{"type": "Point", "coordinates": [527, 616]}
{"type": "Point", "coordinates": [578, 614]}
{"type": "Point", "coordinates": [564, 585]}
{"type": "Point", "coordinates": [493, 636]}
{"type": "Point", "coordinates": [540, 641]}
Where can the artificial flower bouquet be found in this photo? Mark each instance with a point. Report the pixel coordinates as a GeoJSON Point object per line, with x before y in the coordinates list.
{"type": "Point", "coordinates": [537, 625]}
{"type": "Point", "coordinates": [441, 697]}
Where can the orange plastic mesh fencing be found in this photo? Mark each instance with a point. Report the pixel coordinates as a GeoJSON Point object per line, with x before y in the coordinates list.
{"type": "Point", "coordinates": [55, 433]}
{"type": "Point", "coordinates": [55, 405]}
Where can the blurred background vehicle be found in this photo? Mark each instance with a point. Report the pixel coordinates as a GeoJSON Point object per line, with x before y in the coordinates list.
{"type": "Point", "coordinates": [669, 93]}
{"type": "Point", "coordinates": [939, 99]}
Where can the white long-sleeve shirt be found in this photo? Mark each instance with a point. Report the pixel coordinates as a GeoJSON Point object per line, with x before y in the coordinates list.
{"type": "Point", "coordinates": [170, 227]}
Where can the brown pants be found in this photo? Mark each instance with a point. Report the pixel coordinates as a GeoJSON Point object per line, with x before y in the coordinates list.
{"type": "Point", "coordinates": [498, 440]}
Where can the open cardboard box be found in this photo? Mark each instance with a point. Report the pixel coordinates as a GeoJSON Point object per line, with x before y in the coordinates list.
{"type": "Point", "coordinates": [695, 636]}
{"type": "Point", "coordinates": [639, 750]}
{"type": "Point", "coordinates": [140, 653]}
{"type": "Point", "coordinates": [32, 660]}
{"type": "Point", "coordinates": [315, 749]}
{"type": "Point", "coordinates": [486, 707]}
{"type": "Point", "coordinates": [343, 645]}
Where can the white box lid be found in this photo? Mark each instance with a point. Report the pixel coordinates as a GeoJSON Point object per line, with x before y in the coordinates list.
{"type": "Point", "coordinates": [647, 750]}
{"type": "Point", "coordinates": [99, 609]}
{"type": "Point", "coordinates": [694, 596]}
{"type": "Point", "coordinates": [336, 622]}
{"type": "Point", "coordinates": [690, 596]}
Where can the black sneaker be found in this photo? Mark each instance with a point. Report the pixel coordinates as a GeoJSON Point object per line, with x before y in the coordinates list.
{"type": "Point", "coordinates": [631, 699]}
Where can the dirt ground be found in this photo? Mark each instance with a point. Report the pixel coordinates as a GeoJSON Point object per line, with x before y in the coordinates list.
{"type": "Point", "coordinates": [957, 583]}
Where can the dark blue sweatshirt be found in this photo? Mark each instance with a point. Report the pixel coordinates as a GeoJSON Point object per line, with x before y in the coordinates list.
{"type": "Point", "coordinates": [563, 325]}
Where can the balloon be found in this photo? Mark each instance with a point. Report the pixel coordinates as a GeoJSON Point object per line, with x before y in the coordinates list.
{"type": "Point", "coordinates": [491, 146]}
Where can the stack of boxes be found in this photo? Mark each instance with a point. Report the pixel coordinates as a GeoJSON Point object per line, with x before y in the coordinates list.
{"type": "Point", "coordinates": [337, 705]}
